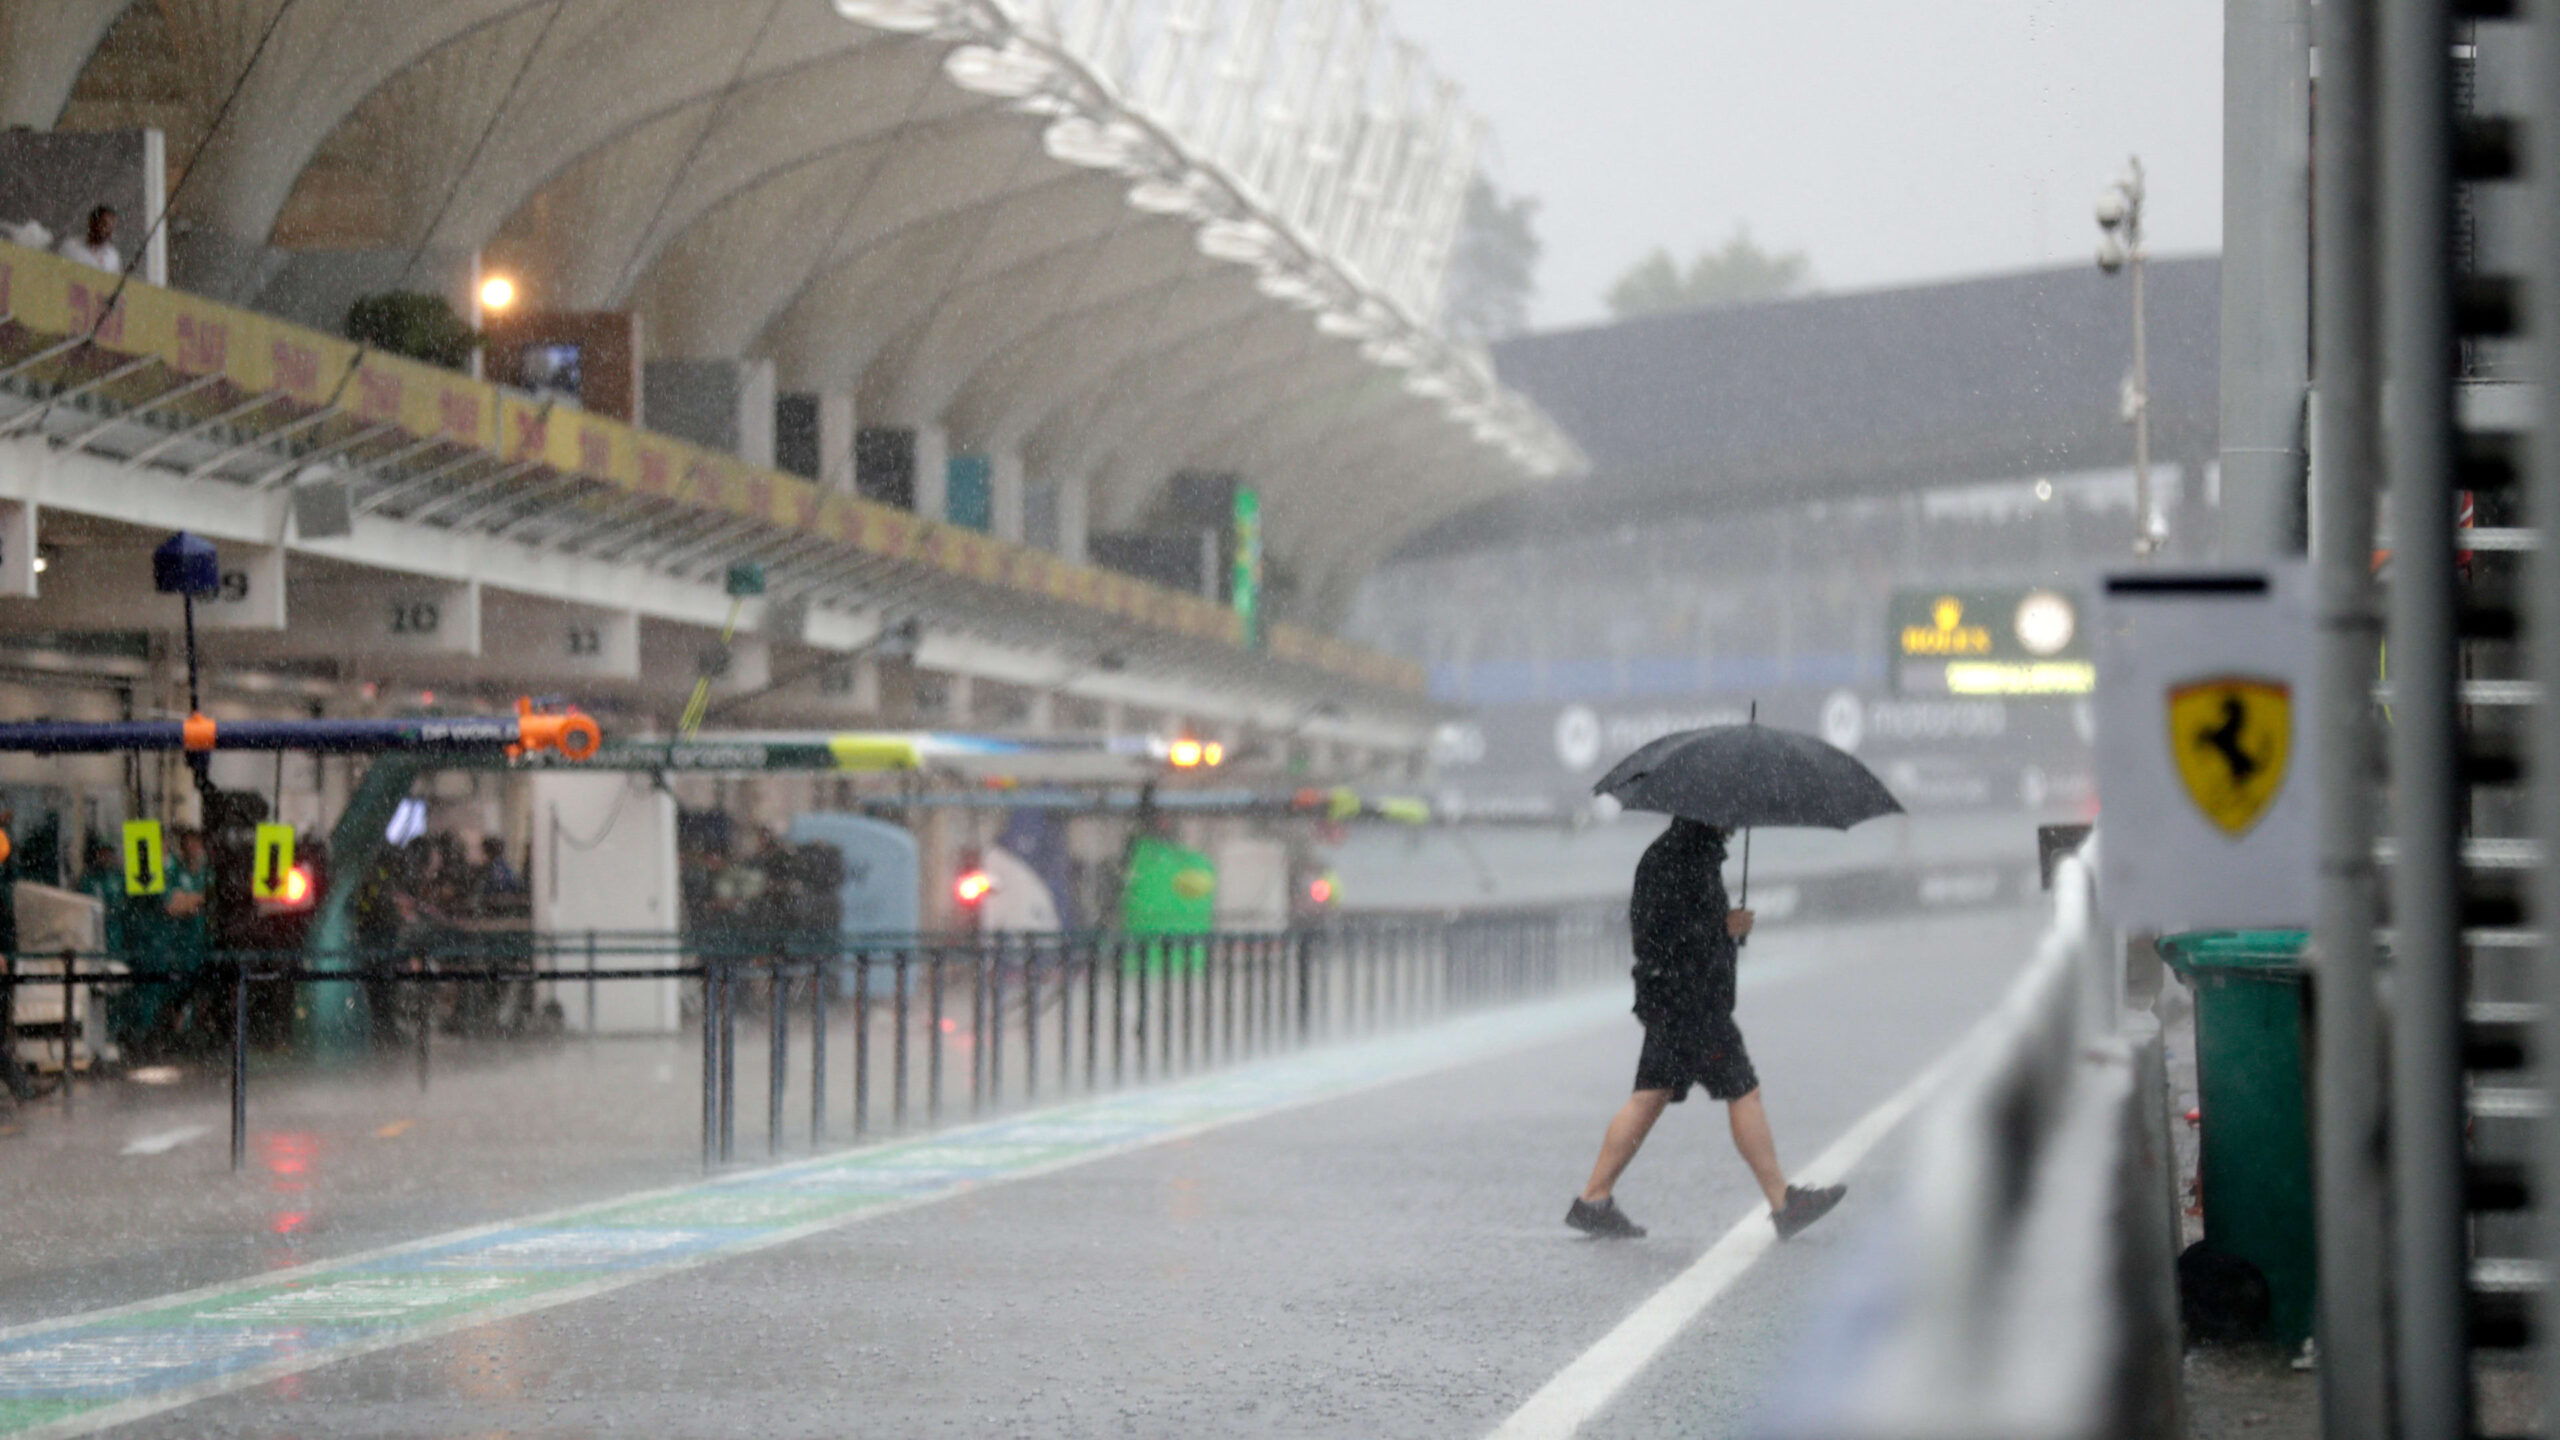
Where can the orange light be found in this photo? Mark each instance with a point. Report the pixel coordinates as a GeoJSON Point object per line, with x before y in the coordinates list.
{"type": "Point", "coordinates": [1321, 891]}
{"type": "Point", "coordinates": [1185, 754]}
{"type": "Point", "coordinates": [973, 886]}
{"type": "Point", "coordinates": [297, 886]}
{"type": "Point", "coordinates": [497, 293]}
{"type": "Point", "coordinates": [1213, 753]}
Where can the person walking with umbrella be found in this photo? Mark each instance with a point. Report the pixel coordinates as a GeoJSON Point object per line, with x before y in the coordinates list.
{"type": "Point", "coordinates": [1687, 940]}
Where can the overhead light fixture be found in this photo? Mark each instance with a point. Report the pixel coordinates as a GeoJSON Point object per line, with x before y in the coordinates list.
{"type": "Point", "coordinates": [497, 294]}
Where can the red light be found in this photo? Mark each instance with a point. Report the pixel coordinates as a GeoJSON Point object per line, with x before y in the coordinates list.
{"type": "Point", "coordinates": [973, 886]}
{"type": "Point", "coordinates": [293, 892]}
{"type": "Point", "coordinates": [1321, 891]}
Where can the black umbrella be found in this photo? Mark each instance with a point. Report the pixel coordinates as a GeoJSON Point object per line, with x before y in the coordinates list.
{"type": "Point", "coordinates": [1739, 776]}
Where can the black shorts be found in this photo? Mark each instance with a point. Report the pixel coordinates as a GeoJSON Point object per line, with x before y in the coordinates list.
{"type": "Point", "coordinates": [1704, 1052]}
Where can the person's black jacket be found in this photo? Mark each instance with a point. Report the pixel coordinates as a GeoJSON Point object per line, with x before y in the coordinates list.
{"type": "Point", "coordinates": [1684, 958]}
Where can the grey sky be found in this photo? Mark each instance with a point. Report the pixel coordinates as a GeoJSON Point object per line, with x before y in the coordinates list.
{"type": "Point", "coordinates": [1892, 140]}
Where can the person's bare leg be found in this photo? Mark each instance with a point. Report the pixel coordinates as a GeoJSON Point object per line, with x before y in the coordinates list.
{"type": "Point", "coordinates": [1627, 1130]}
{"type": "Point", "coordinates": [1759, 1150]}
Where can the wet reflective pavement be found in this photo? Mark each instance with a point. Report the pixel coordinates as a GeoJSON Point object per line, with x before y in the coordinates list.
{"type": "Point", "coordinates": [1363, 1240]}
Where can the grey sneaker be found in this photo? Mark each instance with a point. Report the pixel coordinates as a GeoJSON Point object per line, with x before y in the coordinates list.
{"type": "Point", "coordinates": [1603, 1221]}
{"type": "Point", "coordinates": [1803, 1207]}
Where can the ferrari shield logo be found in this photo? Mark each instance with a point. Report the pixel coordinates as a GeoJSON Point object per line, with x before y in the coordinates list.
{"type": "Point", "coordinates": [2231, 736]}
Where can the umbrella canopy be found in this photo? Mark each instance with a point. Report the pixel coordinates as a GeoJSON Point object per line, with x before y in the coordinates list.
{"type": "Point", "coordinates": [1737, 776]}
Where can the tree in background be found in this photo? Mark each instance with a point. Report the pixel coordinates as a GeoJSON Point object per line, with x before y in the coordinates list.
{"type": "Point", "coordinates": [1493, 268]}
{"type": "Point", "coordinates": [1737, 274]}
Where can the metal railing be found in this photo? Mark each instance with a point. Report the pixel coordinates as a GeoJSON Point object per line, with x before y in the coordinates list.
{"type": "Point", "coordinates": [2026, 1286]}
{"type": "Point", "coordinates": [1013, 1018]}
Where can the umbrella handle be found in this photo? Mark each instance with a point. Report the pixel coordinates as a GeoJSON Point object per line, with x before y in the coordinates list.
{"type": "Point", "coordinates": [1746, 879]}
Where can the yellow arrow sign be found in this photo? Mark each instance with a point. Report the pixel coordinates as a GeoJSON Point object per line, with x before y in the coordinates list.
{"type": "Point", "coordinates": [146, 870]}
{"type": "Point", "coordinates": [275, 859]}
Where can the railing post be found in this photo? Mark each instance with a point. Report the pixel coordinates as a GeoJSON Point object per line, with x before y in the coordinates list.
{"type": "Point", "coordinates": [991, 959]}
{"type": "Point", "coordinates": [710, 1068]}
{"type": "Point", "coordinates": [1092, 1008]}
{"type": "Point", "coordinates": [1030, 1018]}
{"type": "Point", "coordinates": [977, 1028]}
{"type": "Point", "coordinates": [820, 977]}
{"type": "Point", "coordinates": [70, 991]}
{"type": "Point", "coordinates": [1119, 1005]}
{"type": "Point", "coordinates": [9, 1021]}
{"type": "Point", "coordinates": [728, 1060]}
{"type": "Point", "coordinates": [591, 984]}
{"type": "Point", "coordinates": [933, 1037]}
{"type": "Point", "coordinates": [861, 1042]}
{"type": "Point", "coordinates": [1304, 946]}
{"type": "Point", "coordinates": [777, 984]}
{"type": "Point", "coordinates": [1227, 1003]}
{"type": "Point", "coordinates": [239, 1066]}
{"type": "Point", "coordinates": [899, 1041]}
{"type": "Point", "coordinates": [426, 1011]}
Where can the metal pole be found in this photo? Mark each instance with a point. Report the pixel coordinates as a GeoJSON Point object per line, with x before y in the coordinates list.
{"type": "Point", "coordinates": [70, 993]}
{"type": "Point", "coordinates": [898, 1044]}
{"type": "Point", "coordinates": [777, 986]}
{"type": "Point", "coordinates": [991, 960]}
{"type": "Point", "coordinates": [710, 1071]}
{"type": "Point", "coordinates": [2143, 502]}
{"type": "Point", "coordinates": [2429, 1278]}
{"type": "Point", "coordinates": [728, 1061]}
{"type": "Point", "coordinates": [933, 1041]}
{"type": "Point", "coordinates": [2541, 235]}
{"type": "Point", "coordinates": [426, 1029]}
{"type": "Point", "coordinates": [820, 976]}
{"type": "Point", "coordinates": [1306, 958]}
{"type": "Point", "coordinates": [1030, 1018]}
{"type": "Point", "coordinates": [861, 1044]}
{"type": "Point", "coordinates": [239, 1067]}
{"type": "Point", "coordinates": [2266, 257]}
{"type": "Point", "coordinates": [2354, 1399]}
{"type": "Point", "coordinates": [591, 978]}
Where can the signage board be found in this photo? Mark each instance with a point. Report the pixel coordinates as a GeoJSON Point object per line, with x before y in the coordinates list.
{"type": "Point", "coordinates": [146, 870]}
{"type": "Point", "coordinates": [2019, 641]}
{"type": "Point", "coordinates": [1244, 587]}
{"type": "Point", "coordinates": [1939, 754]}
{"type": "Point", "coordinates": [2205, 749]}
{"type": "Point", "coordinates": [268, 879]}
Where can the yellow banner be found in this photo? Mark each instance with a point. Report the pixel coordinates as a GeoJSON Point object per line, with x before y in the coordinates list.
{"type": "Point", "coordinates": [48, 296]}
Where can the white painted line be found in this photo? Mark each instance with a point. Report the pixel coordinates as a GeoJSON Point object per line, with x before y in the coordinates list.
{"type": "Point", "coordinates": [1582, 1389]}
{"type": "Point", "coordinates": [164, 1141]}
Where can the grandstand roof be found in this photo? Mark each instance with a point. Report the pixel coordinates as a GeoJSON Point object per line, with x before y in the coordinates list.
{"type": "Point", "coordinates": [1860, 394]}
{"type": "Point", "coordinates": [1120, 239]}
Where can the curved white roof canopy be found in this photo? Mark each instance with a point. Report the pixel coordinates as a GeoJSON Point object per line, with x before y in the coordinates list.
{"type": "Point", "coordinates": [1122, 238]}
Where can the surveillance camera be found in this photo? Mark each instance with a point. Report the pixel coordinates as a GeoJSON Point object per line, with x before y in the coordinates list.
{"type": "Point", "coordinates": [2111, 256]}
{"type": "Point", "coordinates": [2111, 209]}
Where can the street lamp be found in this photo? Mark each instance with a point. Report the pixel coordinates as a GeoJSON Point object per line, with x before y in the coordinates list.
{"type": "Point", "coordinates": [2119, 214]}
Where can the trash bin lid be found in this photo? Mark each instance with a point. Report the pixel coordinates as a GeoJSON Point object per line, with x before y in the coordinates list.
{"type": "Point", "coordinates": [2261, 950]}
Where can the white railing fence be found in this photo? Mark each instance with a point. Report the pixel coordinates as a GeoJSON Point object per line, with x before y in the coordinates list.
{"type": "Point", "coordinates": [2025, 1285]}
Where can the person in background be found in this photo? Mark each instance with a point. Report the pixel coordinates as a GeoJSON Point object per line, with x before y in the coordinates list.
{"type": "Point", "coordinates": [496, 877]}
{"type": "Point", "coordinates": [97, 247]}
{"type": "Point", "coordinates": [1686, 943]}
{"type": "Point", "coordinates": [102, 880]}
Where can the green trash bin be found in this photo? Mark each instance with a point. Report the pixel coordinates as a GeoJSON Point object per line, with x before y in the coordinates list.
{"type": "Point", "coordinates": [2251, 1045]}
